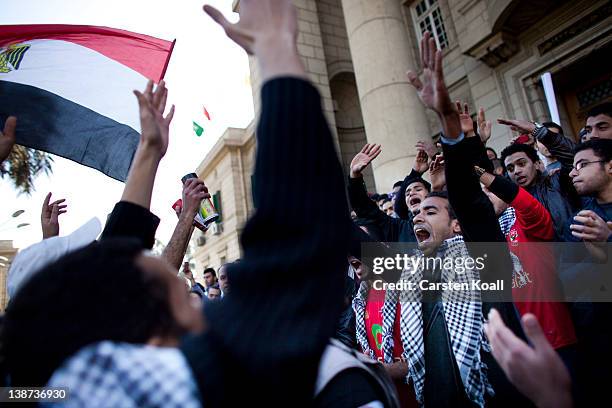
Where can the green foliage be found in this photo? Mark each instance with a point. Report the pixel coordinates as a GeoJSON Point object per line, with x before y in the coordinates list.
{"type": "Point", "coordinates": [23, 165]}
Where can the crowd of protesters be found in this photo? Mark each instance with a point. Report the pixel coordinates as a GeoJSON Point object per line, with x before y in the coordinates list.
{"type": "Point", "coordinates": [304, 323]}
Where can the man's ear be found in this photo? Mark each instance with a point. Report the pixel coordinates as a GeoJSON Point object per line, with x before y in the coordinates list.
{"type": "Point", "coordinates": [456, 227]}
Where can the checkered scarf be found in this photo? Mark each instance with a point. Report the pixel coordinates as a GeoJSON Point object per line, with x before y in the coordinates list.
{"type": "Point", "coordinates": [108, 374]}
{"type": "Point", "coordinates": [506, 222]}
{"type": "Point", "coordinates": [388, 312]}
{"type": "Point", "coordinates": [464, 320]}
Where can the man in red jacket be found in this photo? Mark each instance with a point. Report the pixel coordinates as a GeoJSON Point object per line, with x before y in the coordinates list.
{"type": "Point", "coordinates": [523, 219]}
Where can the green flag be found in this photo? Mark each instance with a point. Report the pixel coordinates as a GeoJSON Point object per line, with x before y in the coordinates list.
{"type": "Point", "coordinates": [198, 129]}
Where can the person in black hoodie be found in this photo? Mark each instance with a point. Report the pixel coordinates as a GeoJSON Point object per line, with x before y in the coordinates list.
{"type": "Point", "coordinates": [414, 189]}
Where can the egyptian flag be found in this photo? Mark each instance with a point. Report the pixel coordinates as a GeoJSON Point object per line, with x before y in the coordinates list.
{"type": "Point", "coordinates": [70, 87]}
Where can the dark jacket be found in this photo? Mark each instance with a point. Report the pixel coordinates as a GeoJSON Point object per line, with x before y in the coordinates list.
{"type": "Point", "coordinates": [479, 225]}
{"type": "Point", "coordinates": [130, 220]}
{"type": "Point", "coordinates": [391, 229]}
{"type": "Point", "coordinates": [263, 342]}
{"type": "Point", "coordinates": [556, 192]}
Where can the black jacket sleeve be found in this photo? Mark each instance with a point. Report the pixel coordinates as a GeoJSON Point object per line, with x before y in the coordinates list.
{"type": "Point", "coordinates": [131, 220]}
{"type": "Point", "coordinates": [504, 189]}
{"type": "Point", "coordinates": [269, 332]}
{"type": "Point", "coordinates": [563, 149]}
{"type": "Point", "coordinates": [559, 146]}
{"type": "Point", "coordinates": [366, 208]}
{"type": "Point", "coordinates": [479, 225]}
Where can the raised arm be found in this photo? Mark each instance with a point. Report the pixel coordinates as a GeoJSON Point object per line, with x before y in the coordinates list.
{"type": "Point", "coordinates": [533, 216]}
{"type": "Point", "coordinates": [131, 216]}
{"type": "Point", "coordinates": [194, 191]}
{"type": "Point", "coordinates": [471, 205]}
{"type": "Point", "coordinates": [287, 292]}
{"type": "Point", "coordinates": [358, 196]}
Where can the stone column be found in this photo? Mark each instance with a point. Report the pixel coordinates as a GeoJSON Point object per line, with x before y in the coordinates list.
{"type": "Point", "coordinates": [393, 115]}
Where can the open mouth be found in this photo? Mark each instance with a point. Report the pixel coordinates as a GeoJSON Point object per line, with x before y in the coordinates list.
{"type": "Point", "coordinates": [421, 234]}
{"type": "Point", "coordinates": [414, 201]}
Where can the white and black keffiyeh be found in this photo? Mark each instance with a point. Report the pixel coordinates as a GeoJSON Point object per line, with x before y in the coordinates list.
{"type": "Point", "coordinates": [109, 374]}
{"type": "Point", "coordinates": [464, 320]}
{"type": "Point", "coordinates": [506, 221]}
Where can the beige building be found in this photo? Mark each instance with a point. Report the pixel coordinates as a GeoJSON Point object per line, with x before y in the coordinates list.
{"type": "Point", "coordinates": [7, 253]}
{"type": "Point", "coordinates": [357, 53]}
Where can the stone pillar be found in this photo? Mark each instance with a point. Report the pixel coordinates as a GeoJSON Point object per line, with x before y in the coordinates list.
{"type": "Point", "coordinates": [393, 115]}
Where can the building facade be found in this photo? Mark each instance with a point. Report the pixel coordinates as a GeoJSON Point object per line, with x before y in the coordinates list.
{"type": "Point", "coordinates": [7, 253]}
{"type": "Point", "coordinates": [357, 53]}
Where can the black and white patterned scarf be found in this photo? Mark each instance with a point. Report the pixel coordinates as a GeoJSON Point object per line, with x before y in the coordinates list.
{"type": "Point", "coordinates": [464, 320]}
{"type": "Point", "coordinates": [506, 220]}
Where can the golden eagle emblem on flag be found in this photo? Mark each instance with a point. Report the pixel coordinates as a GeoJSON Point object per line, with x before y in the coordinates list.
{"type": "Point", "coordinates": [11, 57]}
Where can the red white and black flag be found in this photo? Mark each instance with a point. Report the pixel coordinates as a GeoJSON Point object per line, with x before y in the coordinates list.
{"type": "Point", "coordinates": [70, 87]}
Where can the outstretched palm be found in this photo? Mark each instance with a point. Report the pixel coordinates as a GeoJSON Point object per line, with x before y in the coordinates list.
{"type": "Point", "coordinates": [431, 89]}
{"type": "Point", "coordinates": [260, 21]}
{"type": "Point", "coordinates": [154, 126]}
{"type": "Point", "coordinates": [364, 158]}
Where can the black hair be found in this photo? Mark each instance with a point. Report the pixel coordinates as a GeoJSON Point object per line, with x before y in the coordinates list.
{"type": "Point", "coordinates": [400, 207]}
{"type": "Point", "coordinates": [601, 109]}
{"type": "Point", "coordinates": [398, 183]}
{"type": "Point", "coordinates": [444, 195]}
{"type": "Point", "coordinates": [96, 293]}
{"type": "Point", "coordinates": [516, 148]}
{"type": "Point", "coordinates": [601, 147]}
{"type": "Point", "coordinates": [197, 293]}
{"type": "Point", "coordinates": [211, 270]}
{"type": "Point", "coordinates": [492, 150]}
{"type": "Point", "coordinates": [215, 286]}
{"type": "Point", "coordinates": [382, 197]}
{"type": "Point", "coordinates": [553, 125]}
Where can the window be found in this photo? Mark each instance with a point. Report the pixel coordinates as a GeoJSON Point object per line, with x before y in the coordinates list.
{"type": "Point", "coordinates": [428, 17]}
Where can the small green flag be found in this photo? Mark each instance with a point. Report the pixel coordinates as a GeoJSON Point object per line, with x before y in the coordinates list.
{"type": "Point", "coordinates": [198, 129]}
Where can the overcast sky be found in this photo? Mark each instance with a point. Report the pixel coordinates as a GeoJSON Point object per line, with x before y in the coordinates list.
{"type": "Point", "coordinates": [206, 69]}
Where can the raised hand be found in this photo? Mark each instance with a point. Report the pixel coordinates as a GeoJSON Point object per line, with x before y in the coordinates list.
{"type": "Point", "coordinates": [49, 216]}
{"type": "Point", "coordinates": [7, 137]}
{"type": "Point", "coordinates": [364, 158]}
{"type": "Point", "coordinates": [537, 371]}
{"type": "Point", "coordinates": [432, 90]}
{"type": "Point", "coordinates": [436, 173]}
{"type": "Point", "coordinates": [428, 146]}
{"type": "Point", "coordinates": [518, 125]}
{"type": "Point", "coordinates": [467, 124]}
{"type": "Point", "coordinates": [154, 126]}
{"type": "Point", "coordinates": [484, 126]}
{"type": "Point", "coordinates": [268, 30]}
{"type": "Point", "coordinates": [420, 162]}
{"type": "Point", "coordinates": [194, 191]}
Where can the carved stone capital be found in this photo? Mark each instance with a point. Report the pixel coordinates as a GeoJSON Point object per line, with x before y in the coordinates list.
{"type": "Point", "coordinates": [495, 49]}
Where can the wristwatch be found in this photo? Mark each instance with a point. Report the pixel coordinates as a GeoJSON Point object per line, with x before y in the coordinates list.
{"type": "Point", "coordinates": [535, 131]}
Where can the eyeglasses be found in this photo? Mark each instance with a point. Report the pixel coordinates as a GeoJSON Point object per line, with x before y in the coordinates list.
{"type": "Point", "coordinates": [580, 165]}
